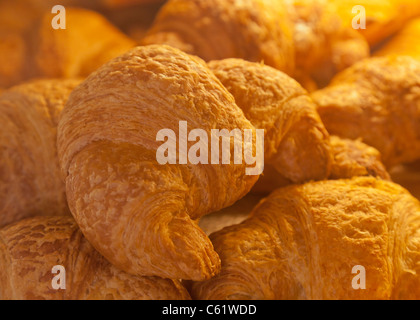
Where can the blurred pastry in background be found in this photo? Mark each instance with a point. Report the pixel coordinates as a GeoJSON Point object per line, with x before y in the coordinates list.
{"type": "Point", "coordinates": [38, 50]}
{"type": "Point", "coordinates": [253, 30]}
{"type": "Point", "coordinates": [377, 100]}
{"type": "Point", "coordinates": [405, 42]}
{"type": "Point", "coordinates": [30, 180]}
{"type": "Point", "coordinates": [383, 17]}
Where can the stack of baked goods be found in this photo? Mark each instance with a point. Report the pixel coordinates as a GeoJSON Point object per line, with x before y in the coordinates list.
{"type": "Point", "coordinates": [82, 110]}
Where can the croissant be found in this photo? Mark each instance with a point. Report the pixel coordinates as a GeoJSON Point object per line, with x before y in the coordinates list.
{"type": "Point", "coordinates": [405, 42]}
{"type": "Point", "coordinates": [137, 213]}
{"type": "Point", "coordinates": [31, 248]}
{"type": "Point", "coordinates": [30, 179]}
{"type": "Point", "coordinates": [220, 29]}
{"type": "Point", "coordinates": [378, 100]}
{"type": "Point", "coordinates": [383, 18]}
{"type": "Point", "coordinates": [324, 44]}
{"type": "Point", "coordinates": [296, 144]}
{"type": "Point", "coordinates": [88, 42]}
{"type": "Point", "coordinates": [303, 242]}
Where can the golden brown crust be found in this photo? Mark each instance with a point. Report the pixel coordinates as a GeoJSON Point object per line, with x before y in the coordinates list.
{"type": "Point", "coordinates": [220, 29]}
{"type": "Point", "coordinates": [296, 142]}
{"type": "Point", "coordinates": [377, 100]}
{"type": "Point", "coordinates": [30, 249]}
{"type": "Point", "coordinates": [30, 179]}
{"type": "Point", "coordinates": [138, 213]}
{"type": "Point", "coordinates": [353, 158]}
{"type": "Point", "coordinates": [302, 242]}
{"type": "Point", "coordinates": [405, 42]}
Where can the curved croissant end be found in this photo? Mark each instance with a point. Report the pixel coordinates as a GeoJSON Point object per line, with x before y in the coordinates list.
{"type": "Point", "coordinates": [353, 158]}
{"type": "Point", "coordinates": [220, 29]}
{"type": "Point", "coordinates": [377, 100]}
{"type": "Point", "coordinates": [137, 213]}
{"type": "Point", "coordinates": [30, 180]}
{"type": "Point", "coordinates": [303, 242]}
{"type": "Point", "coordinates": [296, 141]}
{"type": "Point", "coordinates": [31, 248]}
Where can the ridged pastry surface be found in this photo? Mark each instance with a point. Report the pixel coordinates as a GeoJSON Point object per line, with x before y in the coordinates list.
{"type": "Point", "coordinates": [138, 213]}
{"type": "Point", "coordinates": [296, 142]}
{"type": "Point", "coordinates": [30, 249]}
{"type": "Point", "coordinates": [302, 242]}
{"type": "Point", "coordinates": [378, 100]}
{"type": "Point", "coordinates": [253, 30]}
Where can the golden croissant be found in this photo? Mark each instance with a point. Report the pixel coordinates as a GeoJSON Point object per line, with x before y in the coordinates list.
{"type": "Point", "coordinates": [88, 41]}
{"type": "Point", "coordinates": [378, 100]}
{"type": "Point", "coordinates": [137, 213]}
{"type": "Point", "coordinates": [405, 42]}
{"type": "Point", "coordinates": [304, 242]}
{"type": "Point", "coordinates": [220, 29]}
{"type": "Point", "coordinates": [30, 179]}
{"type": "Point", "coordinates": [31, 248]}
{"type": "Point", "coordinates": [296, 142]}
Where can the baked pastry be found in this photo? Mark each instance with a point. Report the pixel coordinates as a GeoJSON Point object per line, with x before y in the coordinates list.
{"type": "Point", "coordinates": [137, 213]}
{"type": "Point", "coordinates": [220, 29]}
{"type": "Point", "coordinates": [31, 248]}
{"type": "Point", "coordinates": [296, 142]}
{"type": "Point", "coordinates": [353, 158]}
{"type": "Point", "coordinates": [30, 179]}
{"type": "Point", "coordinates": [405, 42]}
{"type": "Point", "coordinates": [324, 44]}
{"type": "Point", "coordinates": [378, 100]}
{"type": "Point", "coordinates": [383, 18]}
{"type": "Point", "coordinates": [302, 242]}
{"type": "Point", "coordinates": [88, 42]}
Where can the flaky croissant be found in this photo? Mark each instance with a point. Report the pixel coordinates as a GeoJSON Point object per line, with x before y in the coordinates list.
{"type": "Point", "coordinates": [137, 213]}
{"type": "Point", "coordinates": [30, 179]}
{"type": "Point", "coordinates": [405, 42]}
{"type": "Point", "coordinates": [254, 30]}
{"type": "Point", "coordinates": [88, 41]}
{"type": "Point", "coordinates": [378, 100]}
{"type": "Point", "coordinates": [296, 142]}
{"type": "Point", "coordinates": [302, 242]}
{"type": "Point", "coordinates": [383, 17]}
{"type": "Point", "coordinates": [31, 248]}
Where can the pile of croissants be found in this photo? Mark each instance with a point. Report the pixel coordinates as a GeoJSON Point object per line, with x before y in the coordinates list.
{"type": "Point", "coordinates": [80, 185]}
